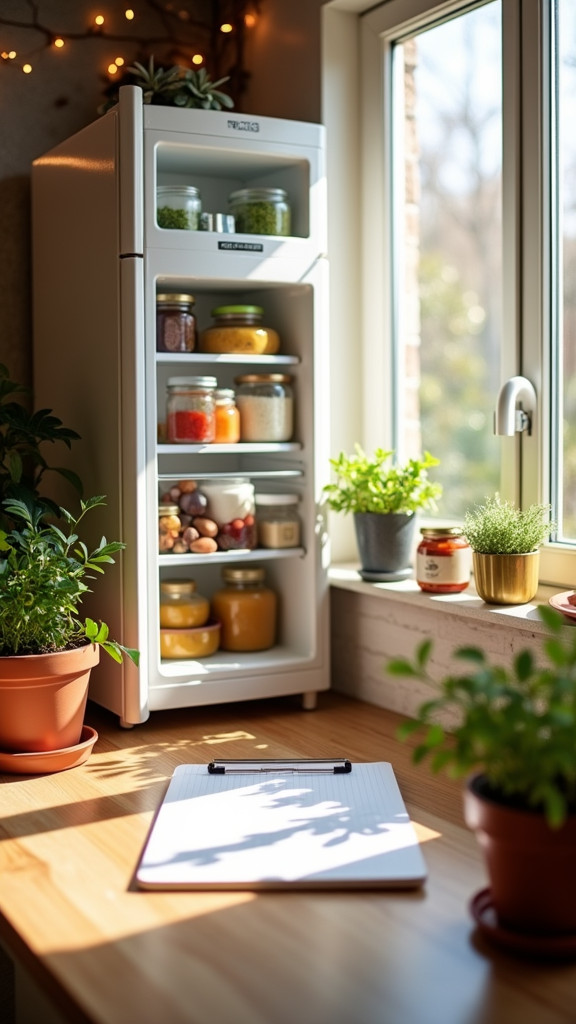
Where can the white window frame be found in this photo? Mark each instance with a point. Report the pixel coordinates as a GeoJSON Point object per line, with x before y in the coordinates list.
{"type": "Point", "coordinates": [357, 69]}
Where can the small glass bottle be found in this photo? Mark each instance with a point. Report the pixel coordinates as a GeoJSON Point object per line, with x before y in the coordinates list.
{"type": "Point", "coordinates": [239, 329]}
{"type": "Point", "coordinates": [246, 609]}
{"type": "Point", "coordinates": [190, 410]}
{"type": "Point", "coordinates": [178, 207]}
{"type": "Point", "coordinates": [277, 520]}
{"type": "Point", "coordinates": [175, 323]}
{"type": "Point", "coordinates": [227, 427]}
{"type": "Point", "coordinates": [169, 527]}
{"type": "Point", "coordinates": [443, 560]}
{"type": "Point", "coordinates": [266, 406]}
{"type": "Point", "coordinates": [180, 606]}
{"type": "Point", "coordinates": [261, 211]}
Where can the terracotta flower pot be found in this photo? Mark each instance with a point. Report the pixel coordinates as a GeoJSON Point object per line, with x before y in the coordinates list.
{"type": "Point", "coordinates": [43, 699]}
{"type": "Point", "coordinates": [530, 865]}
{"type": "Point", "coordinates": [506, 579]}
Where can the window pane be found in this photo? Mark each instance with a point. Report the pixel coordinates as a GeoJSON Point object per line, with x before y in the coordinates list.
{"type": "Point", "coordinates": [448, 249]}
{"type": "Point", "coordinates": [565, 276]}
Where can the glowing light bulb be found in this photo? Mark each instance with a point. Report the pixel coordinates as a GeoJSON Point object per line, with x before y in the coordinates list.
{"type": "Point", "coordinates": [99, 20]}
{"type": "Point", "coordinates": [129, 14]}
{"type": "Point", "coordinates": [11, 54]}
{"type": "Point", "coordinates": [119, 61]}
{"type": "Point", "coordinates": [58, 42]}
{"type": "Point", "coordinates": [197, 58]}
{"type": "Point", "coordinates": [26, 68]}
{"type": "Point", "coordinates": [112, 69]}
{"type": "Point", "coordinates": [226, 27]}
{"type": "Point", "coordinates": [249, 20]}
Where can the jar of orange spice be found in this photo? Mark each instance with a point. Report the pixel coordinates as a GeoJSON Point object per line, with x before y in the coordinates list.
{"type": "Point", "coordinates": [227, 417]}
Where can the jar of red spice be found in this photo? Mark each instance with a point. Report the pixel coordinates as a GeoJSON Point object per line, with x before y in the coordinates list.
{"type": "Point", "coordinates": [443, 560]}
{"type": "Point", "coordinates": [190, 410]}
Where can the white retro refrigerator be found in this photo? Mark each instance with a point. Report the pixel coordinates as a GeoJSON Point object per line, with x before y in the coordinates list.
{"type": "Point", "coordinates": [99, 261]}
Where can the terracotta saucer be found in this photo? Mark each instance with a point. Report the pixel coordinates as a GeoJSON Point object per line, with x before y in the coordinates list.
{"type": "Point", "coordinates": [547, 947]}
{"type": "Point", "coordinates": [46, 761]}
{"type": "Point", "coordinates": [565, 603]}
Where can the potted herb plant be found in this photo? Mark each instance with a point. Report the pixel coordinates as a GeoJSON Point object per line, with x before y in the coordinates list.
{"type": "Point", "coordinates": [514, 740]}
{"type": "Point", "coordinates": [46, 650]}
{"type": "Point", "coordinates": [505, 542]}
{"type": "Point", "coordinates": [384, 498]}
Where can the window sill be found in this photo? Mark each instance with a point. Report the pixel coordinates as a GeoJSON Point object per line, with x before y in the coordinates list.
{"type": "Point", "coordinates": [372, 622]}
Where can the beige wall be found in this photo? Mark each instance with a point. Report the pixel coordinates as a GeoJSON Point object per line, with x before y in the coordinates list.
{"type": "Point", "coordinates": [62, 95]}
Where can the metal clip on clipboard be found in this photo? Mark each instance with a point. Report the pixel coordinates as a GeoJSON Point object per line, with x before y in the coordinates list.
{"type": "Point", "coordinates": [329, 765]}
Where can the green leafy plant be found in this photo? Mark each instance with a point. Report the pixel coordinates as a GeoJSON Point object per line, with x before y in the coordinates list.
{"type": "Point", "coordinates": [23, 436]}
{"type": "Point", "coordinates": [173, 86]}
{"type": "Point", "coordinates": [366, 484]}
{"type": "Point", "coordinates": [500, 528]}
{"type": "Point", "coordinates": [516, 726]}
{"type": "Point", "coordinates": [43, 573]}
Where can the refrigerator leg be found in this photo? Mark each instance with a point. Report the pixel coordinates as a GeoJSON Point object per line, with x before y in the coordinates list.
{"type": "Point", "coordinates": [124, 724]}
{"type": "Point", "coordinates": [309, 700]}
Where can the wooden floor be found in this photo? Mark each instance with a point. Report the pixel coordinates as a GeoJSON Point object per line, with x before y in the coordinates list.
{"type": "Point", "coordinates": [107, 954]}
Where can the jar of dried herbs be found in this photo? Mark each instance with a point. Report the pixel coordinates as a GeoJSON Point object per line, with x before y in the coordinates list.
{"type": "Point", "coordinates": [261, 211]}
{"type": "Point", "coordinates": [178, 207]}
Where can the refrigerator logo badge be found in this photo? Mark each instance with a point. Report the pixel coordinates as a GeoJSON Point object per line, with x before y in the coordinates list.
{"type": "Point", "coordinates": [244, 246]}
{"type": "Point", "coordinates": [244, 126]}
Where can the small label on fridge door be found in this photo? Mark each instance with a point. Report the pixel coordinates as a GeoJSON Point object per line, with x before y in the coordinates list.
{"type": "Point", "coordinates": [246, 246]}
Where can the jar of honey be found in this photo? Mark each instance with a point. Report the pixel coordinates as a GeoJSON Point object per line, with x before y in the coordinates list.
{"type": "Point", "coordinates": [239, 329]}
{"type": "Point", "coordinates": [180, 606]}
{"type": "Point", "coordinates": [443, 560]}
{"type": "Point", "coordinates": [246, 609]}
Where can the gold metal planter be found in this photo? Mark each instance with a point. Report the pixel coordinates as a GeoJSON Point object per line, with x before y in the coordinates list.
{"type": "Point", "coordinates": [506, 579]}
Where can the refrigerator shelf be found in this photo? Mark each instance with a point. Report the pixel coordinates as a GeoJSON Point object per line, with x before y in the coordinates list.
{"type": "Point", "coordinates": [239, 358]}
{"type": "Point", "coordinates": [228, 449]}
{"type": "Point", "coordinates": [264, 474]}
{"type": "Point", "coordinates": [238, 555]}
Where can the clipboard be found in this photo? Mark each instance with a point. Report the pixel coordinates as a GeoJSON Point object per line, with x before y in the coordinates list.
{"type": "Point", "coordinates": [277, 824]}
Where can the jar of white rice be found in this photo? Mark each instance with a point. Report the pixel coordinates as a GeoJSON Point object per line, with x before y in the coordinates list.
{"type": "Point", "coordinates": [266, 406]}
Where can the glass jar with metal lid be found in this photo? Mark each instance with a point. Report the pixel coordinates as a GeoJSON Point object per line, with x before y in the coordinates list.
{"type": "Point", "coordinates": [190, 410]}
{"type": "Point", "coordinates": [180, 606]}
{"type": "Point", "coordinates": [261, 211]}
{"type": "Point", "coordinates": [169, 527]}
{"type": "Point", "coordinates": [175, 323]}
{"type": "Point", "coordinates": [246, 609]}
{"type": "Point", "coordinates": [443, 560]}
{"type": "Point", "coordinates": [277, 520]}
{"type": "Point", "coordinates": [239, 329]}
{"type": "Point", "coordinates": [266, 405]}
{"type": "Point", "coordinates": [178, 206]}
{"type": "Point", "coordinates": [227, 430]}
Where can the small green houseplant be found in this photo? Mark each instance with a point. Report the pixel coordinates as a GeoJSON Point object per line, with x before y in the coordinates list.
{"type": "Point", "coordinates": [514, 740]}
{"type": "Point", "coordinates": [174, 86]}
{"type": "Point", "coordinates": [383, 497]}
{"type": "Point", "coordinates": [505, 542]}
{"type": "Point", "coordinates": [46, 650]}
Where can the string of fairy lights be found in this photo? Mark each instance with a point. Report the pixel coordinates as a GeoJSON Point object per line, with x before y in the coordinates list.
{"type": "Point", "coordinates": [194, 33]}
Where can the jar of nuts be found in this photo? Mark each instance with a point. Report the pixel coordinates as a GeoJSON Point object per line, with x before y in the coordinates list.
{"type": "Point", "coordinates": [197, 533]}
{"type": "Point", "coordinates": [169, 526]}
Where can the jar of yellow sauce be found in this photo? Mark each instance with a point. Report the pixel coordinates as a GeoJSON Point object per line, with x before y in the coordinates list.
{"type": "Point", "coordinates": [246, 609]}
{"type": "Point", "coordinates": [239, 329]}
{"type": "Point", "coordinates": [180, 606]}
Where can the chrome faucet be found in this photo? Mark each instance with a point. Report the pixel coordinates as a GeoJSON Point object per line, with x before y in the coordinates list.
{"type": "Point", "coordinates": [510, 416]}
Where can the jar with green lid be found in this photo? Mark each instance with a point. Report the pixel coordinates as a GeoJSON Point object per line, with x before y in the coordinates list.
{"type": "Point", "coordinates": [246, 609]}
{"type": "Point", "coordinates": [239, 329]}
{"type": "Point", "coordinates": [175, 323]}
{"type": "Point", "coordinates": [178, 207]}
{"type": "Point", "coordinates": [261, 211]}
{"type": "Point", "coordinates": [180, 606]}
{"type": "Point", "coordinates": [266, 408]}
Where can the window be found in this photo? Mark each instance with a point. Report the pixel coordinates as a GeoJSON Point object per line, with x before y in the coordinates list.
{"type": "Point", "coordinates": [467, 165]}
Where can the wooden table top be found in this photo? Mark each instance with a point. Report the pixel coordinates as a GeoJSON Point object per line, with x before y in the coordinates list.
{"type": "Point", "coordinates": [109, 954]}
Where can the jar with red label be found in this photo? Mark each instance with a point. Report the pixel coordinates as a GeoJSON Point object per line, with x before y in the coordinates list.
{"type": "Point", "coordinates": [443, 560]}
{"type": "Point", "coordinates": [190, 410]}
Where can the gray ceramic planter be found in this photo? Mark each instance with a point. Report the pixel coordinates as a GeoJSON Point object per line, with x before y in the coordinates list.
{"type": "Point", "coordinates": [385, 544]}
